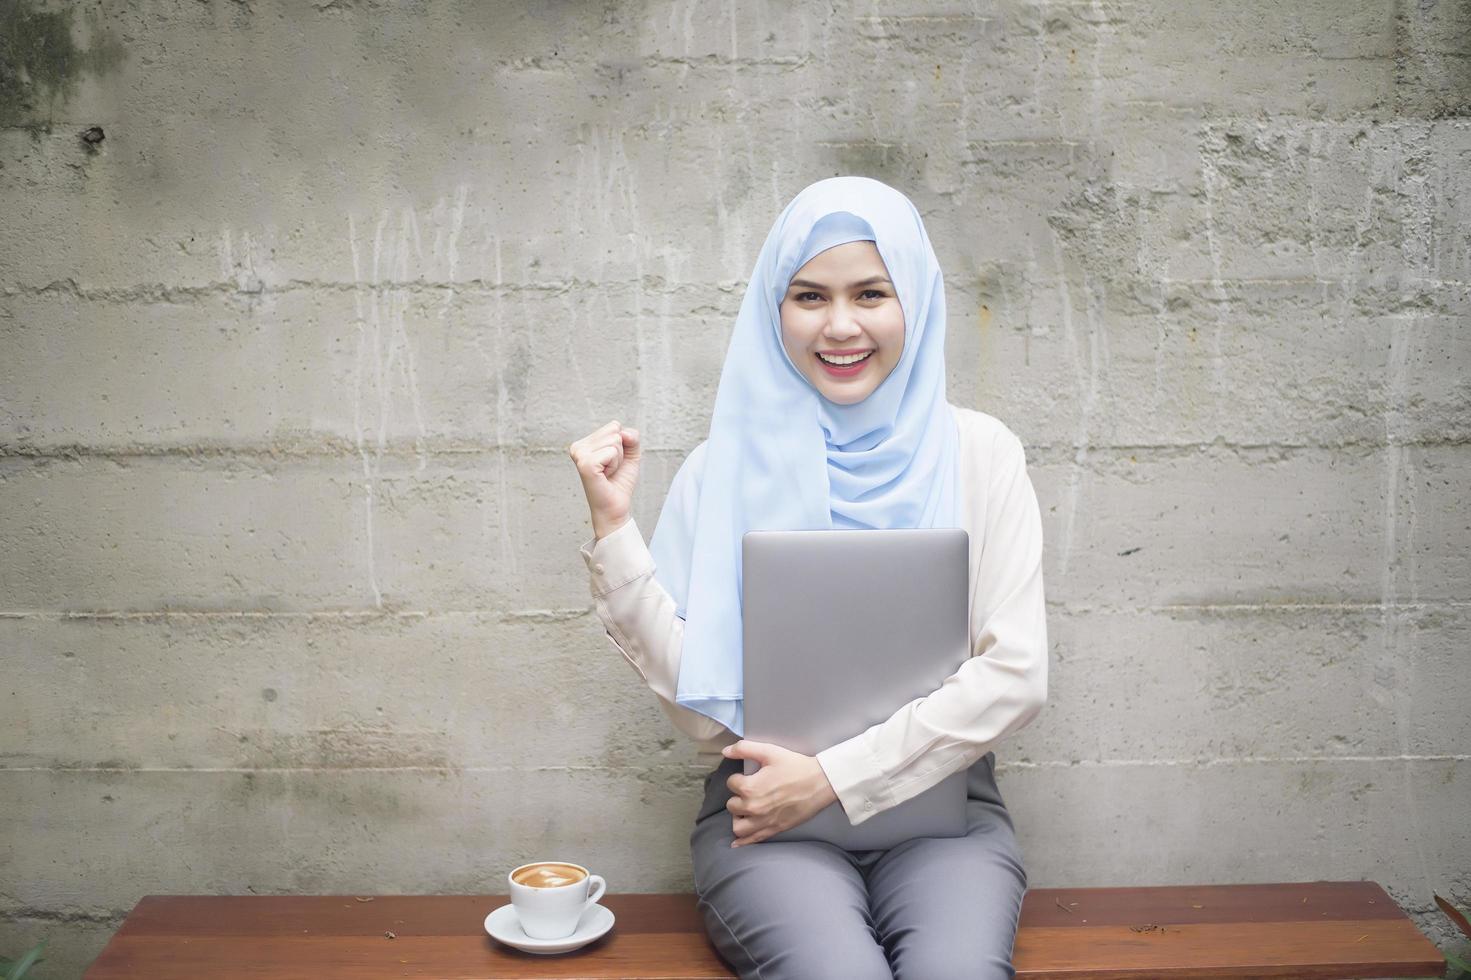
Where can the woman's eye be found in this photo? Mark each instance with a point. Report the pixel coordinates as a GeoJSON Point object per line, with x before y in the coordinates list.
{"type": "Point", "coordinates": [803, 297]}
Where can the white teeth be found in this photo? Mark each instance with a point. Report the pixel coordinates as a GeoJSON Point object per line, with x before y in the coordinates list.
{"type": "Point", "coordinates": [845, 359]}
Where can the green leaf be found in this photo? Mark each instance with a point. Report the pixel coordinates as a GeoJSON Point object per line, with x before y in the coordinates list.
{"type": "Point", "coordinates": [29, 959]}
{"type": "Point", "coordinates": [1457, 962]}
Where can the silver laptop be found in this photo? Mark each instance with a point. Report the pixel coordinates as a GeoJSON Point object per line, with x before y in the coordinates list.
{"type": "Point", "coordinates": [843, 628]}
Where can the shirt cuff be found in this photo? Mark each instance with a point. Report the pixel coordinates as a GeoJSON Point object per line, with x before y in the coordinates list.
{"type": "Point", "coordinates": [855, 778]}
{"type": "Point", "coordinates": [617, 558]}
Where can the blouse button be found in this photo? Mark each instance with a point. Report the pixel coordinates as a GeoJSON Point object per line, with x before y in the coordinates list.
{"type": "Point", "coordinates": [868, 805]}
{"type": "Point", "coordinates": [598, 568]}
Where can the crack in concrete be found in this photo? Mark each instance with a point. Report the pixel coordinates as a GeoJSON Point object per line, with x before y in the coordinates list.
{"type": "Point", "coordinates": [109, 917]}
{"type": "Point", "coordinates": [575, 613]}
{"type": "Point", "coordinates": [1202, 762]}
{"type": "Point", "coordinates": [1038, 454]}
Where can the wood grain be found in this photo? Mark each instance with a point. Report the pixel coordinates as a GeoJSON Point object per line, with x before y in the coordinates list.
{"type": "Point", "coordinates": [1311, 929]}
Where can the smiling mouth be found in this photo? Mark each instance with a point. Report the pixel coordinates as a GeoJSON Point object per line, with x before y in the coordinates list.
{"type": "Point", "coordinates": [846, 361]}
{"type": "Point", "coordinates": [845, 372]}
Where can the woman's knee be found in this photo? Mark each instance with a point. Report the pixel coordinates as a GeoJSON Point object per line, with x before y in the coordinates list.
{"type": "Point", "coordinates": [778, 945]}
{"type": "Point", "coordinates": [789, 909]}
{"type": "Point", "coordinates": [950, 907]}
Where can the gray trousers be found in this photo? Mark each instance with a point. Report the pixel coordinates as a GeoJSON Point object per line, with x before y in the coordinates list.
{"type": "Point", "coordinates": [930, 908]}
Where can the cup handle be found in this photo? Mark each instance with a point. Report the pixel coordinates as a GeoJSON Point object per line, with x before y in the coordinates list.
{"type": "Point", "coordinates": [595, 891]}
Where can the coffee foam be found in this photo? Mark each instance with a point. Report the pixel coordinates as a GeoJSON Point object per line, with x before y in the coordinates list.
{"type": "Point", "coordinates": [549, 875]}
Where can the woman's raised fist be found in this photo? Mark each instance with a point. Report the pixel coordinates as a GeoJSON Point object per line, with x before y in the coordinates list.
{"type": "Point", "coordinates": [607, 462]}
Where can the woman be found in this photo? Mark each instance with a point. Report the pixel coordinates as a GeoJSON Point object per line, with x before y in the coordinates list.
{"type": "Point", "coordinates": [831, 413]}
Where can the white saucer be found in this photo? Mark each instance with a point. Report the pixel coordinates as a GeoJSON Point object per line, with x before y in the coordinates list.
{"type": "Point", "coordinates": [503, 925]}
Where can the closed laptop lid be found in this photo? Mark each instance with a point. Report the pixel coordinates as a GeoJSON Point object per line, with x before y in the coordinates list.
{"type": "Point", "coordinates": [841, 629]}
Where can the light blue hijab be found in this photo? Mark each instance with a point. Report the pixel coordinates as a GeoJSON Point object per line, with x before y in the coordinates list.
{"type": "Point", "coordinates": [780, 456]}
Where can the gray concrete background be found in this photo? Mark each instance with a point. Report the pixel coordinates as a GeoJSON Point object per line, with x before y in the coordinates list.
{"type": "Point", "coordinates": [290, 599]}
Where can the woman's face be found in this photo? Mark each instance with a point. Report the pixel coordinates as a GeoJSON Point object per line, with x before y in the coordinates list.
{"type": "Point", "coordinates": [839, 304]}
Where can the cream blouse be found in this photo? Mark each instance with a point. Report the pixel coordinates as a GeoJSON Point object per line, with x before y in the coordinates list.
{"type": "Point", "coordinates": [997, 691]}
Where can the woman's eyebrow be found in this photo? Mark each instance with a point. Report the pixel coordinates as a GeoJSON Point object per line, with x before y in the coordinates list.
{"type": "Point", "coordinates": [871, 280]}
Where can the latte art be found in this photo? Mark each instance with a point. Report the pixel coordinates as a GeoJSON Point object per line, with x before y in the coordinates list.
{"type": "Point", "coordinates": [549, 875]}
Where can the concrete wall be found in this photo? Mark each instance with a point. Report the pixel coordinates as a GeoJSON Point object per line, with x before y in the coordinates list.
{"type": "Point", "coordinates": [290, 599]}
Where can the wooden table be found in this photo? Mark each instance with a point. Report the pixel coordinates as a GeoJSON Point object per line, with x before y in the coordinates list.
{"type": "Point", "coordinates": [1319, 929]}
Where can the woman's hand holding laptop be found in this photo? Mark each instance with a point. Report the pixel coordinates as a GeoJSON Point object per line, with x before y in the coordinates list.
{"type": "Point", "coordinates": [789, 789]}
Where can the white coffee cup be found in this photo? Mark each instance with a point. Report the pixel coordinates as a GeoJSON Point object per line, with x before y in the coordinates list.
{"type": "Point", "coordinates": [549, 909]}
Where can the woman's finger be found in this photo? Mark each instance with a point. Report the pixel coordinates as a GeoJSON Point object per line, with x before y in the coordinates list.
{"type": "Point", "coordinates": [603, 441]}
{"type": "Point", "coordinates": [593, 440]}
{"type": "Point", "coordinates": [596, 461]}
{"type": "Point", "coordinates": [596, 437]}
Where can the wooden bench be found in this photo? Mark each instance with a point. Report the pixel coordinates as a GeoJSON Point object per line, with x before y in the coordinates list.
{"type": "Point", "coordinates": [1317, 929]}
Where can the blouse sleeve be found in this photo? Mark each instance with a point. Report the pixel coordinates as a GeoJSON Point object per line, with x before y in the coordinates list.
{"type": "Point", "coordinates": [639, 617]}
{"type": "Point", "coordinates": [997, 691]}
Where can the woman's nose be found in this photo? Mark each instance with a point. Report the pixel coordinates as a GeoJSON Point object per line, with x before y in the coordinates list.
{"type": "Point", "coordinates": [842, 325]}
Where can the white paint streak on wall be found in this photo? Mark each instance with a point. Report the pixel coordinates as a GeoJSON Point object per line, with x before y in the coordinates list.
{"type": "Point", "coordinates": [576, 309]}
{"type": "Point", "coordinates": [639, 344]}
{"type": "Point", "coordinates": [674, 259]}
{"type": "Point", "coordinates": [244, 267]}
{"type": "Point", "coordinates": [1378, 167]}
{"type": "Point", "coordinates": [1039, 47]}
{"type": "Point", "coordinates": [1315, 149]}
{"type": "Point", "coordinates": [502, 413]}
{"type": "Point", "coordinates": [688, 27]}
{"type": "Point", "coordinates": [1086, 399]}
{"type": "Point", "coordinates": [1393, 680]}
{"type": "Point", "coordinates": [1211, 178]}
{"type": "Point", "coordinates": [1155, 283]}
{"type": "Point", "coordinates": [1095, 68]}
{"type": "Point", "coordinates": [401, 349]}
{"type": "Point", "coordinates": [1399, 477]}
{"type": "Point", "coordinates": [385, 357]}
{"type": "Point", "coordinates": [607, 183]}
{"type": "Point", "coordinates": [449, 254]}
{"type": "Point", "coordinates": [722, 213]}
{"type": "Point", "coordinates": [369, 467]}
